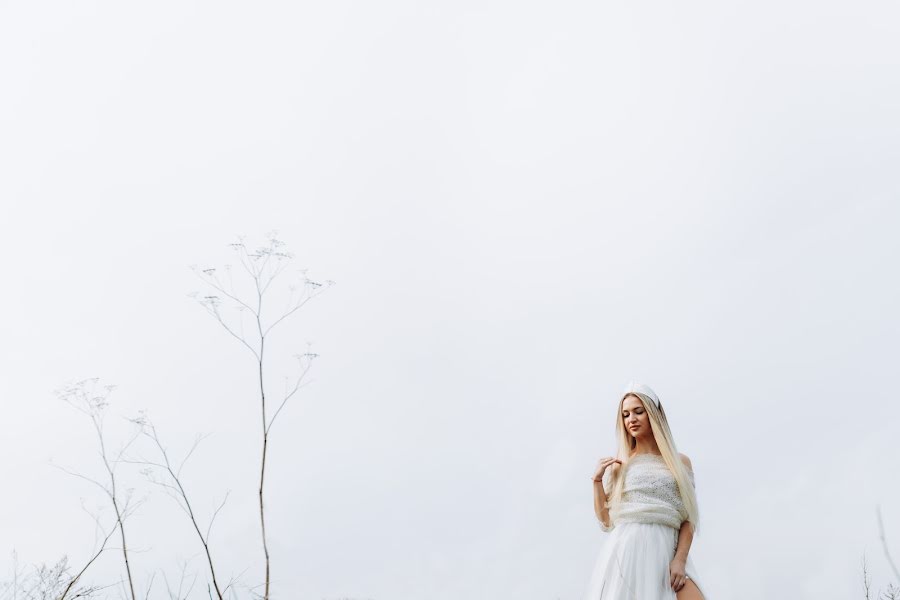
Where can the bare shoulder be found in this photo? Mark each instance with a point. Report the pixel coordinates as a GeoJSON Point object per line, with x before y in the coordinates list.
{"type": "Point", "coordinates": [686, 461]}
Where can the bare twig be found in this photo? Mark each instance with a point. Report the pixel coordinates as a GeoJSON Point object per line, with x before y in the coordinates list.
{"type": "Point", "coordinates": [180, 593]}
{"type": "Point", "coordinates": [51, 582]}
{"type": "Point", "coordinates": [176, 489]}
{"type": "Point", "coordinates": [891, 593]}
{"type": "Point", "coordinates": [87, 399]}
{"type": "Point", "coordinates": [867, 579]}
{"type": "Point", "coordinates": [305, 361]}
{"type": "Point", "coordinates": [78, 576]}
{"type": "Point", "coordinates": [263, 266]}
{"type": "Point", "coordinates": [884, 544]}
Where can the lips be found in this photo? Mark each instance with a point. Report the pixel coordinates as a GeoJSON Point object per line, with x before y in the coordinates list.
{"type": "Point", "coordinates": [633, 427]}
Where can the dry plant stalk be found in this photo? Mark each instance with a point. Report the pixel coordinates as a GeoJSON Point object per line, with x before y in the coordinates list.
{"type": "Point", "coordinates": [884, 544]}
{"type": "Point", "coordinates": [892, 592]}
{"type": "Point", "coordinates": [85, 397]}
{"type": "Point", "coordinates": [54, 582]}
{"type": "Point", "coordinates": [45, 582]}
{"type": "Point", "coordinates": [262, 266]}
{"type": "Point", "coordinates": [173, 486]}
{"type": "Point", "coordinates": [867, 579]}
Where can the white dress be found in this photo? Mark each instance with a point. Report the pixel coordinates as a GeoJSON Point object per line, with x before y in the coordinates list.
{"type": "Point", "coordinates": [634, 562]}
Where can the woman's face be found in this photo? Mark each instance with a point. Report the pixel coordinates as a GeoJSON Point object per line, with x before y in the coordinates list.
{"type": "Point", "coordinates": [635, 418]}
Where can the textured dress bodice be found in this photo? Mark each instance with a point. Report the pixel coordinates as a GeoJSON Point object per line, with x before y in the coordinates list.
{"type": "Point", "coordinates": [650, 494]}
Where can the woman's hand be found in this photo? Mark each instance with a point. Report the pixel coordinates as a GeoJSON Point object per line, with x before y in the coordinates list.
{"type": "Point", "coordinates": [677, 576]}
{"type": "Point", "coordinates": [601, 467]}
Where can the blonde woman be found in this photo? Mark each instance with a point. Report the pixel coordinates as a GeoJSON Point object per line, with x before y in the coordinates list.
{"type": "Point", "coordinates": [645, 499]}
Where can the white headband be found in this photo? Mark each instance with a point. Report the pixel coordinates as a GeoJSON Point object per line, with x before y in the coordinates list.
{"type": "Point", "coordinates": [634, 387]}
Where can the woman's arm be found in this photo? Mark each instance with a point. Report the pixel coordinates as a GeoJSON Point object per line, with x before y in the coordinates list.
{"type": "Point", "coordinates": [685, 537]}
{"type": "Point", "coordinates": [677, 567]}
{"type": "Point", "coordinates": [601, 501]}
{"type": "Point", "coordinates": [600, 504]}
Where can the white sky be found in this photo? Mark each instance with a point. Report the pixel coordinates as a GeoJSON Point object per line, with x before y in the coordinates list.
{"type": "Point", "coordinates": [524, 206]}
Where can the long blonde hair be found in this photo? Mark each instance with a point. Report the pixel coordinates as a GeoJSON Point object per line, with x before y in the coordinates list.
{"type": "Point", "coordinates": [663, 436]}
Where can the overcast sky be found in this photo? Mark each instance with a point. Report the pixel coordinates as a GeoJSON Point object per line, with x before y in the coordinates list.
{"type": "Point", "coordinates": [524, 205]}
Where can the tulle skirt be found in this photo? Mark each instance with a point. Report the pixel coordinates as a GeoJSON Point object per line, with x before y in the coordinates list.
{"type": "Point", "coordinates": [634, 564]}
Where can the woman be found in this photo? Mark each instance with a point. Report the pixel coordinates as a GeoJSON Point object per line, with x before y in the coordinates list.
{"type": "Point", "coordinates": [648, 504]}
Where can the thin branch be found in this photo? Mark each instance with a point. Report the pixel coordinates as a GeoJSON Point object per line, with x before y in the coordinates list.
{"type": "Point", "coordinates": [218, 287]}
{"type": "Point", "coordinates": [288, 395]}
{"type": "Point", "coordinates": [150, 586]}
{"type": "Point", "coordinates": [263, 266]}
{"type": "Point", "coordinates": [179, 491]}
{"type": "Point", "coordinates": [884, 544]}
{"type": "Point", "coordinates": [867, 579]}
{"type": "Point", "coordinates": [83, 396]}
{"type": "Point", "coordinates": [299, 305]}
{"type": "Point", "coordinates": [215, 514]}
{"type": "Point", "coordinates": [197, 441]}
{"type": "Point", "coordinates": [80, 476]}
{"type": "Point", "coordinates": [214, 312]}
{"type": "Point", "coordinates": [75, 579]}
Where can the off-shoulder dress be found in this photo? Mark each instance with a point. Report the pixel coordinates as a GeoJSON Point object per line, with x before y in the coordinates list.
{"type": "Point", "coordinates": [634, 562]}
